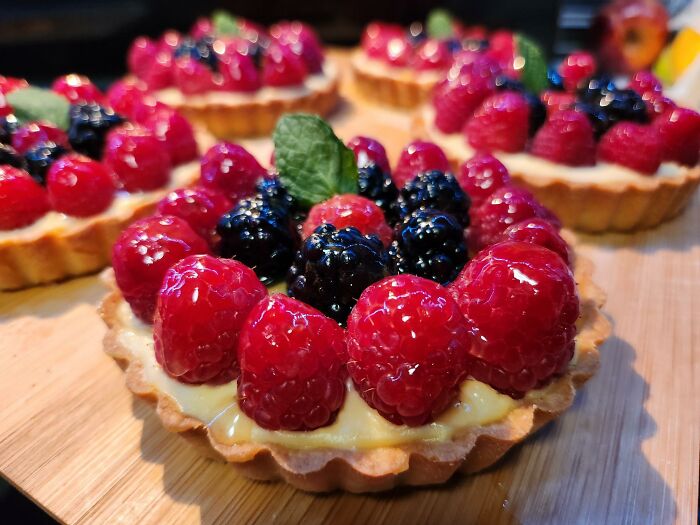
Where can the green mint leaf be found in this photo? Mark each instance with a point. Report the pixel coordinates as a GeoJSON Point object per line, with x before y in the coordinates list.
{"type": "Point", "coordinates": [440, 24]}
{"type": "Point", "coordinates": [225, 24]}
{"type": "Point", "coordinates": [32, 103]}
{"type": "Point", "coordinates": [312, 162]}
{"type": "Point", "coordinates": [534, 70]}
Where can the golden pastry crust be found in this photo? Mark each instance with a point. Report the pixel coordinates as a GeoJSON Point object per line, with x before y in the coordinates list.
{"type": "Point", "coordinates": [398, 91]}
{"type": "Point", "coordinates": [369, 470]}
{"type": "Point", "coordinates": [597, 207]}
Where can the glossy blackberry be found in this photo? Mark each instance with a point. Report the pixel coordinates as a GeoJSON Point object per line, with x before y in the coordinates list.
{"type": "Point", "coordinates": [453, 45]}
{"type": "Point", "coordinates": [505, 83]}
{"type": "Point", "coordinates": [594, 90]}
{"type": "Point", "coordinates": [475, 44]}
{"type": "Point", "coordinates": [8, 125]}
{"type": "Point", "coordinates": [429, 243]}
{"type": "Point", "coordinates": [200, 50]}
{"type": "Point", "coordinates": [8, 155]}
{"type": "Point", "coordinates": [378, 186]}
{"type": "Point", "coordinates": [273, 191]}
{"type": "Point", "coordinates": [555, 81]}
{"type": "Point", "coordinates": [89, 124]}
{"type": "Point", "coordinates": [260, 236]}
{"type": "Point", "coordinates": [624, 104]}
{"type": "Point", "coordinates": [416, 33]}
{"type": "Point", "coordinates": [598, 118]}
{"type": "Point", "coordinates": [538, 112]}
{"type": "Point", "coordinates": [333, 267]}
{"type": "Point", "coordinates": [438, 190]}
{"type": "Point", "coordinates": [40, 158]}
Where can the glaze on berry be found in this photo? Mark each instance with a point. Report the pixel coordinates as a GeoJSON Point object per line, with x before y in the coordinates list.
{"type": "Point", "coordinates": [416, 158]}
{"type": "Point", "coordinates": [199, 206]}
{"type": "Point", "coordinates": [230, 169]}
{"type": "Point", "coordinates": [139, 160]}
{"type": "Point", "coordinates": [481, 175]}
{"type": "Point", "coordinates": [437, 190]}
{"type": "Point", "coordinates": [23, 200]}
{"type": "Point", "coordinates": [79, 186]}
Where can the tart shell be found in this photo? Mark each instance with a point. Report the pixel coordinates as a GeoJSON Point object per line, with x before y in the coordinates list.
{"type": "Point", "coordinates": [371, 470]}
{"type": "Point", "coordinates": [597, 207]}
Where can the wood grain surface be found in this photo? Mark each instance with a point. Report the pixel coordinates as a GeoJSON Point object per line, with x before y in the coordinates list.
{"type": "Point", "coordinates": [75, 441]}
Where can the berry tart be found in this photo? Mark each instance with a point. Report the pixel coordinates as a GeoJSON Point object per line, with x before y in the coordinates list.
{"type": "Point", "coordinates": [399, 66]}
{"type": "Point", "coordinates": [236, 77]}
{"type": "Point", "coordinates": [74, 172]}
{"type": "Point", "coordinates": [603, 157]}
{"type": "Point", "coordinates": [380, 359]}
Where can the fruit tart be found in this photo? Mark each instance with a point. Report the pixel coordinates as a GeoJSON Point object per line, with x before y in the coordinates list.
{"type": "Point", "coordinates": [74, 172]}
{"type": "Point", "coordinates": [310, 342]}
{"type": "Point", "coordinates": [236, 77]}
{"type": "Point", "coordinates": [602, 157]}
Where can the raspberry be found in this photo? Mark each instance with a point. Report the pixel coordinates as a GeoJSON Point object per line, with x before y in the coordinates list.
{"type": "Point", "coordinates": [456, 98]}
{"type": "Point", "coordinates": [282, 67]}
{"type": "Point", "coordinates": [143, 253]}
{"type": "Point", "coordinates": [481, 175]}
{"type": "Point", "coordinates": [292, 360]}
{"type": "Point", "coordinates": [504, 207]}
{"type": "Point", "coordinates": [657, 104]}
{"type": "Point", "coordinates": [376, 36]}
{"type": "Point", "coordinates": [347, 210]}
{"type": "Point", "coordinates": [475, 63]}
{"type": "Point", "coordinates": [399, 52]}
{"type": "Point", "coordinates": [31, 135]}
{"type": "Point", "coordinates": [238, 72]}
{"type": "Point", "coordinates": [192, 77]}
{"type": "Point", "coordinates": [557, 100]}
{"type": "Point", "coordinates": [332, 268]}
{"type": "Point", "coordinates": [159, 72]}
{"type": "Point", "coordinates": [407, 349]}
{"type": "Point", "coordinates": [566, 138]}
{"type": "Point", "coordinates": [141, 54]}
{"type": "Point", "coordinates": [379, 187]}
{"type": "Point", "coordinates": [173, 130]}
{"type": "Point", "coordinates": [419, 157]}
{"type": "Point", "coordinates": [503, 50]}
{"type": "Point", "coordinates": [79, 186]}
{"type": "Point", "coordinates": [124, 95]}
{"type": "Point", "coordinates": [632, 145]}
{"type": "Point", "coordinates": [576, 68]}
{"type": "Point", "coordinates": [501, 123]}
{"type": "Point", "coordinates": [77, 88]}
{"type": "Point", "coordinates": [303, 40]}
{"type": "Point", "coordinates": [596, 116]}
{"type": "Point", "coordinates": [202, 27]}
{"type": "Point", "coordinates": [540, 232]}
{"type": "Point", "coordinates": [645, 81]}
{"type": "Point", "coordinates": [679, 131]}
{"type": "Point", "coordinates": [520, 303]}
{"type": "Point", "coordinates": [23, 199]}
{"type": "Point", "coordinates": [432, 55]}
{"type": "Point", "coordinates": [10, 84]}
{"type": "Point", "coordinates": [230, 169]}
{"type": "Point", "coordinates": [202, 305]}
{"type": "Point", "coordinates": [437, 190]}
{"type": "Point", "coordinates": [200, 207]}
{"type": "Point", "coordinates": [139, 160]}
{"type": "Point", "coordinates": [369, 151]}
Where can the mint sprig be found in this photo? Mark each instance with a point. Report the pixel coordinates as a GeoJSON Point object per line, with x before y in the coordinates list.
{"type": "Point", "coordinates": [440, 24]}
{"type": "Point", "coordinates": [32, 103]}
{"type": "Point", "coordinates": [312, 162]}
{"type": "Point", "coordinates": [225, 24]}
{"type": "Point", "coordinates": [534, 71]}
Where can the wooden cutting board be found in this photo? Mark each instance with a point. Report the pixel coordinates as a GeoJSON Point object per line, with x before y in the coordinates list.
{"type": "Point", "coordinates": [75, 441]}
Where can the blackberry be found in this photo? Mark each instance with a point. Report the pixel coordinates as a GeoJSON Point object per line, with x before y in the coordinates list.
{"type": "Point", "coordinates": [89, 124]}
{"type": "Point", "coordinates": [598, 118]}
{"type": "Point", "coordinates": [554, 79]}
{"type": "Point", "coordinates": [624, 104]}
{"type": "Point", "coordinates": [538, 112]}
{"type": "Point", "coordinates": [594, 90]}
{"type": "Point", "coordinates": [378, 186]}
{"type": "Point", "coordinates": [40, 158]}
{"type": "Point", "coordinates": [8, 155]}
{"type": "Point", "coordinates": [475, 44]}
{"type": "Point", "coordinates": [333, 267]}
{"type": "Point", "coordinates": [200, 50]}
{"type": "Point", "coordinates": [438, 190]}
{"type": "Point", "coordinates": [504, 83]}
{"type": "Point", "coordinates": [8, 125]}
{"type": "Point", "coordinates": [416, 33]}
{"type": "Point", "coordinates": [271, 190]}
{"type": "Point", "coordinates": [259, 235]}
{"type": "Point", "coordinates": [429, 243]}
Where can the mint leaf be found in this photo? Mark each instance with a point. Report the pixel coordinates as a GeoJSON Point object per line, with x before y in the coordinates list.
{"type": "Point", "coordinates": [225, 24]}
{"type": "Point", "coordinates": [534, 71]}
{"type": "Point", "coordinates": [312, 162]}
{"type": "Point", "coordinates": [32, 103]}
{"type": "Point", "coordinates": [440, 24]}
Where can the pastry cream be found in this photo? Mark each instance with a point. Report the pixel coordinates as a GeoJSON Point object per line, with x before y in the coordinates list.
{"type": "Point", "coordinates": [378, 68]}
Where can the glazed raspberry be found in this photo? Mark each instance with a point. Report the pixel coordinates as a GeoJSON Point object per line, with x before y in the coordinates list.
{"type": "Point", "coordinates": [481, 175]}
{"type": "Point", "coordinates": [504, 207]}
{"type": "Point", "coordinates": [474, 62]}
{"type": "Point", "coordinates": [202, 27]}
{"type": "Point", "coordinates": [369, 151]}
{"type": "Point", "coordinates": [645, 81]}
{"type": "Point", "coordinates": [501, 123]}
{"type": "Point", "coordinates": [635, 146]}
{"type": "Point", "coordinates": [192, 76]}
{"type": "Point", "coordinates": [541, 232]}
{"type": "Point", "coordinates": [141, 55]}
{"type": "Point", "coordinates": [503, 50]}
{"type": "Point", "coordinates": [159, 73]}
{"type": "Point", "coordinates": [77, 88]}
{"type": "Point", "coordinates": [124, 95]}
{"type": "Point", "coordinates": [657, 104]}
{"type": "Point", "coordinates": [199, 206]}
{"type": "Point", "coordinates": [31, 135]}
{"type": "Point", "coordinates": [143, 253]}
{"type": "Point", "coordinates": [230, 169]}
{"type": "Point", "coordinates": [170, 41]}
{"type": "Point", "coordinates": [456, 98]}
{"type": "Point", "coordinates": [138, 159]}
{"type": "Point", "coordinates": [282, 67]}
{"type": "Point", "coordinates": [520, 303]}
{"type": "Point", "coordinates": [376, 36]}
{"type": "Point", "coordinates": [419, 157]}
{"type": "Point", "coordinates": [432, 55]}
{"type": "Point", "coordinates": [202, 305]}
{"type": "Point", "coordinates": [679, 131]}
{"type": "Point", "coordinates": [292, 360]}
{"type": "Point", "coordinates": [347, 210]}
{"type": "Point", "coordinates": [398, 52]}
{"type": "Point", "coordinates": [557, 100]}
{"type": "Point", "coordinates": [23, 199]}
{"type": "Point", "coordinates": [596, 116]}
{"type": "Point", "coordinates": [238, 72]}
{"type": "Point", "coordinates": [10, 84]}
{"type": "Point", "coordinates": [173, 130]}
{"type": "Point", "coordinates": [576, 68]}
{"type": "Point", "coordinates": [79, 186]}
{"type": "Point", "coordinates": [302, 40]}
{"type": "Point", "coordinates": [566, 138]}
{"type": "Point", "coordinates": [407, 349]}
